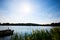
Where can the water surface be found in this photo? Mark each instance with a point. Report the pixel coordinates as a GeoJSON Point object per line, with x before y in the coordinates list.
{"type": "Point", "coordinates": [23, 29]}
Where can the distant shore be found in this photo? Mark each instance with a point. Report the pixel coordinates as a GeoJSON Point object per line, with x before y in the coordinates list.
{"type": "Point", "coordinates": [28, 24]}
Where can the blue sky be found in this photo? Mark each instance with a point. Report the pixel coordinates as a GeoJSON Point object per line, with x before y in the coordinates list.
{"type": "Point", "coordinates": [30, 11]}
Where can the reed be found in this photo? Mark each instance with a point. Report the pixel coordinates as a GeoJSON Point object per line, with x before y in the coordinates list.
{"type": "Point", "coordinates": [53, 34]}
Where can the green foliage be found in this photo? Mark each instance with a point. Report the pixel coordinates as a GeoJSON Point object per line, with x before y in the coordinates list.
{"type": "Point", "coordinates": [53, 34]}
{"type": "Point", "coordinates": [16, 37]}
{"type": "Point", "coordinates": [20, 37]}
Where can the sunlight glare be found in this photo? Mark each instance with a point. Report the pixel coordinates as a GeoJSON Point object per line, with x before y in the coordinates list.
{"type": "Point", "coordinates": [26, 8]}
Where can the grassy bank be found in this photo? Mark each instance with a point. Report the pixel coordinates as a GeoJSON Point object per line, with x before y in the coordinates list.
{"type": "Point", "coordinates": [53, 34]}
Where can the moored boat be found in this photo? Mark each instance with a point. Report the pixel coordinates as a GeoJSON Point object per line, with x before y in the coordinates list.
{"type": "Point", "coordinates": [6, 32]}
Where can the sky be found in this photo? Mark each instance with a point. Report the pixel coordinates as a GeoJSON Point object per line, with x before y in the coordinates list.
{"type": "Point", "coordinates": [29, 11]}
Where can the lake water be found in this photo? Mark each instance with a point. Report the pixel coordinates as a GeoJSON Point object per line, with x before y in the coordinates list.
{"type": "Point", "coordinates": [23, 29]}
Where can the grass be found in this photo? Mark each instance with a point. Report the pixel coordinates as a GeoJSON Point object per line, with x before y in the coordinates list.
{"type": "Point", "coordinates": [53, 34]}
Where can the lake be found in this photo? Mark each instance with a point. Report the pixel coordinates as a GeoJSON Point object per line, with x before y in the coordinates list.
{"type": "Point", "coordinates": [23, 29]}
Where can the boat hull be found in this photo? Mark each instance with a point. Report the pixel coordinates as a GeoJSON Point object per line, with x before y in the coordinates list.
{"type": "Point", "coordinates": [6, 33]}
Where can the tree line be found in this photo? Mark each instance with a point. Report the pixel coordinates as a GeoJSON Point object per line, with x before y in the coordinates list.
{"type": "Point", "coordinates": [31, 24]}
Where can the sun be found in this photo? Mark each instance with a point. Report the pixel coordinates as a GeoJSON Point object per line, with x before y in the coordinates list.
{"type": "Point", "coordinates": [26, 8]}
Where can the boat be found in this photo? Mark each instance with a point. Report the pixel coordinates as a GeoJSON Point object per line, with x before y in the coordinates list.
{"type": "Point", "coordinates": [6, 32]}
